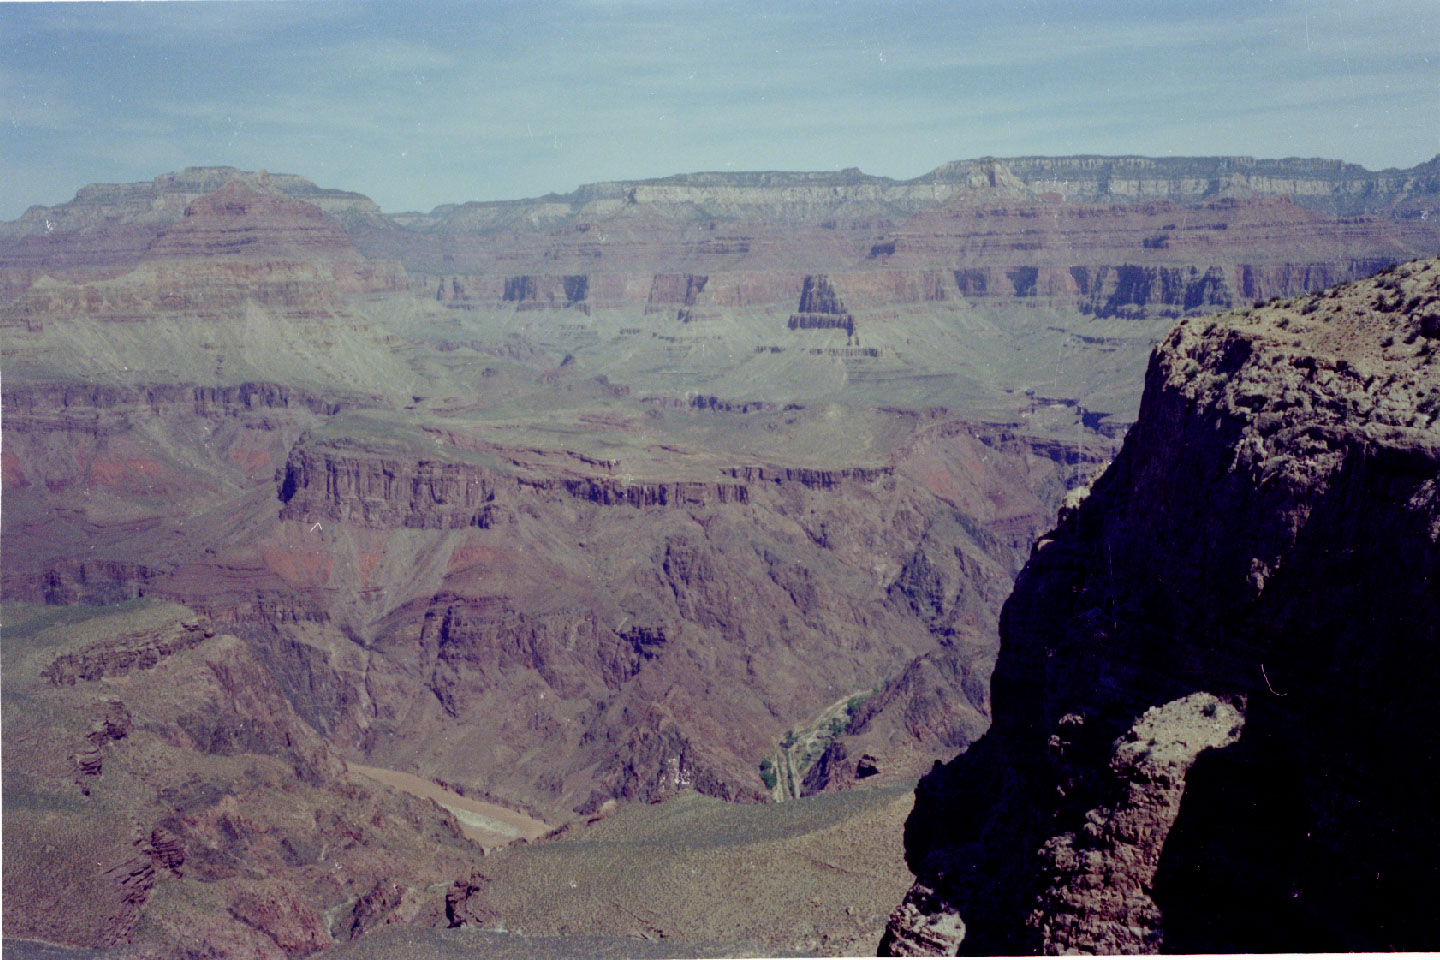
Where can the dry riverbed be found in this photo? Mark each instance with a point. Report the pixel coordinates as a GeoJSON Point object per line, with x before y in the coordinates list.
{"type": "Point", "coordinates": [488, 824]}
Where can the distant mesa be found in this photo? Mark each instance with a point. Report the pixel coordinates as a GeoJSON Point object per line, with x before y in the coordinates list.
{"type": "Point", "coordinates": [1332, 187]}
{"type": "Point", "coordinates": [245, 219]}
{"type": "Point", "coordinates": [164, 200]}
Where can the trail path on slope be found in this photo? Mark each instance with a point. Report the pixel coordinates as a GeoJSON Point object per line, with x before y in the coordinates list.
{"type": "Point", "coordinates": [488, 824]}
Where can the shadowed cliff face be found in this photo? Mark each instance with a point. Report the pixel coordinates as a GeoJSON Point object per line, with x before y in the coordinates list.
{"type": "Point", "coordinates": [1214, 723]}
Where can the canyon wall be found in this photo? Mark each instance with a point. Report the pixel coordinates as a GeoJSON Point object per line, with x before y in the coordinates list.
{"type": "Point", "coordinates": [1134, 261]}
{"type": "Point", "coordinates": [1336, 187]}
{"type": "Point", "coordinates": [776, 577]}
{"type": "Point", "coordinates": [1214, 727]}
{"type": "Point", "coordinates": [1327, 222]}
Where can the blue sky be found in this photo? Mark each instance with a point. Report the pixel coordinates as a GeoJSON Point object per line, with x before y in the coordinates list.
{"type": "Point", "coordinates": [417, 104]}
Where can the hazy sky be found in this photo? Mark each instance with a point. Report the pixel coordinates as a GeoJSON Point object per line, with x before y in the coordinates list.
{"type": "Point", "coordinates": [417, 104]}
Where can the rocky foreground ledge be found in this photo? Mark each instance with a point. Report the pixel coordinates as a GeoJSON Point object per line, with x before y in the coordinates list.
{"type": "Point", "coordinates": [1215, 724]}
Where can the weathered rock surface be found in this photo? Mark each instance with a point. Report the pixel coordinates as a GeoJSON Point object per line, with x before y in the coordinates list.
{"type": "Point", "coordinates": [117, 657]}
{"type": "Point", "coordinates": [761, 569]}
{"type": "Point", "coordinates": [200, 816]}
{"type": "Point", "coordinates": [1214, 727]}
{"type": "Point", "coordinates": [1331, 185]}
{"type": "Point", "coordinates": [164, 200]}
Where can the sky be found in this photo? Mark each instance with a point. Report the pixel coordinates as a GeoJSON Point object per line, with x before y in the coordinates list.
{"type": "Point", "coordinates": [418, 104]}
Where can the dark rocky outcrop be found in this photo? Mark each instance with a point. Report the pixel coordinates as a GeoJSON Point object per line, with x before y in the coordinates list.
{"type": "Point", "coordinates": [1138, 290]}
{"type": "Point", "coordinates": [113, 723]}
{"type": "Point", "coordinates": [530, 292]}
{"type": "Point", "coordinates": [384, 492]}
{"type": "Point", "coordinates": [694, 493]}
{"type": "Point", "coordinates": [520, 288]}
{"type": "Point", "coordinates": [821, 308]}
{"type": "Point", "coordinates": [714, 403]}
{"type": "Point", "coordinates": [1112, 291]}
{"type": "Point", "coordinates": [1214, 724]}
{"type": "Point", "coordinates": [116, 658]}
{"type": "Point", "coordinates": [808, 476]}
{"type": "Point", "coordinates": [50, 399]}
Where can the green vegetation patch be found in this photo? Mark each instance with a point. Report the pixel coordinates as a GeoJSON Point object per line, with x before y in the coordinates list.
{"type": "Point", "coordinates": [19, 620]}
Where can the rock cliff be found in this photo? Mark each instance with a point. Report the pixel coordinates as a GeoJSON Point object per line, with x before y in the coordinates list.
{"type": "Point", "coordinates": [759, 264]}
{"type": "Point", "coordinates": [1214, 723]}
{"type": "Point", "coordinates": [750, 569]}
{"type": "Point", "coordinates": [1330, 185]}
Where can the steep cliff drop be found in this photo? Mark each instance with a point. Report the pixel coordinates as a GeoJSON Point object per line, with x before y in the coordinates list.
{"type": "Point", "coordinates": [1215, 726]}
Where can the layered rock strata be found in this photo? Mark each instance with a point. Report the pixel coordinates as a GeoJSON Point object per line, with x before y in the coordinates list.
{"type": "Point", "coordinates": [821, 308]}
{"type": "Point", "coordinates": [605, 637]}
{"type": "Point", "coordinates": [1105, 257]}
{"type": "Point", "coordinates": [1330, 185]}
{"type": "Point", "coordinates": [164, 200]}
{"type": "Point", "coordinates": [163, 798]}
{"type": "Point", "coordinates": [1214, 723]}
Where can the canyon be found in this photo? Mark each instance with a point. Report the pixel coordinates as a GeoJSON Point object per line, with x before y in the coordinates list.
{"type": "Point", "coordinates": [573, 509]}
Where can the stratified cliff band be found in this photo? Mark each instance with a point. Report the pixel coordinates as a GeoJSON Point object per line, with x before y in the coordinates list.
{"type": "Point", "coordinates": [1214, 716]}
